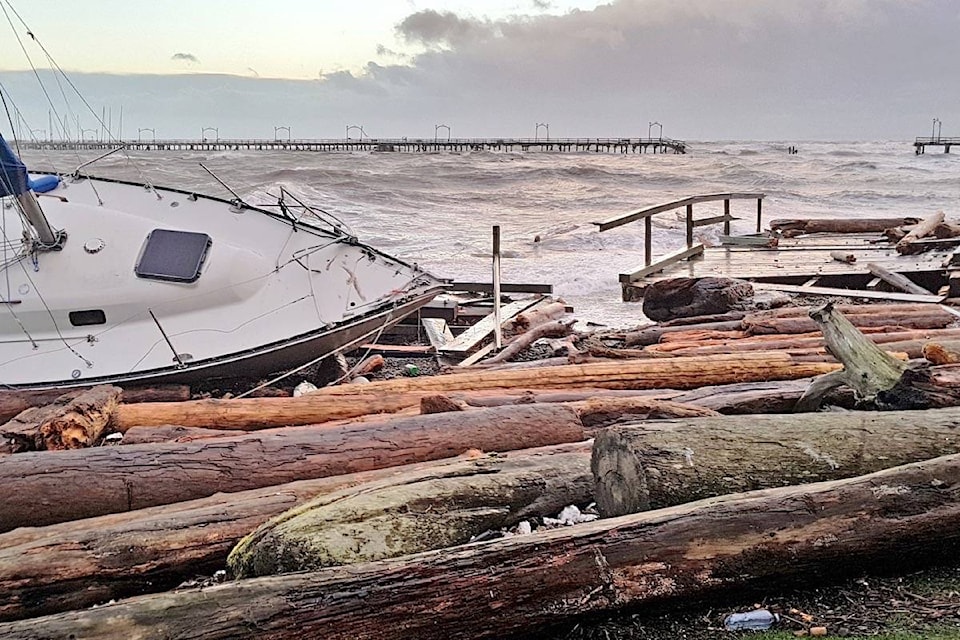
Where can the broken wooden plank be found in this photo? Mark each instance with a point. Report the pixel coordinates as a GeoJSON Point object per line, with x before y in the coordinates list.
{"type": "Point", "coordinates": [438, 332]}
{"type": "Point", "coordinates": [849, 293]}
{"type": "Point", "coordinates": [896, 280]}
{"type": "Point", "coordinates": [475, 334]}
{"type": "Point", "coordinates": [750, 241]}
{"type": "Point", "coordinates": [665, 261]}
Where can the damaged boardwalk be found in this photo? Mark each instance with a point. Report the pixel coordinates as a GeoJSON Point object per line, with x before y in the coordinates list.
{"type": "Point", "coordinates": [858, 261]}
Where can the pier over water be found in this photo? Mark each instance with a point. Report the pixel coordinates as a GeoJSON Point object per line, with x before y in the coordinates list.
{"type": "Point", "coordinates": [401, 145]}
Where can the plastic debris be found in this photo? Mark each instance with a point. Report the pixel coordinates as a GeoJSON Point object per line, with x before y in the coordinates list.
{"type": "Point", "coordinates": [524, 528]}
{"type": "Point", "coordinates": [758, 619]}
{"type": "Point", "coordinates": [569, 516]}
{"type": "Point", "coordinates": [303, 388]}
{"type": "Point", "coordinates": [411, 370]}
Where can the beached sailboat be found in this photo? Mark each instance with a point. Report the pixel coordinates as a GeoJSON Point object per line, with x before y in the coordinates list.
{"type": "Point", "coordinates": [109, 281]}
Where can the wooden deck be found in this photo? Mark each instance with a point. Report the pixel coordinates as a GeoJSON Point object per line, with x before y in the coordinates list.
{"type": "Point", "coordinates": [806, 263]}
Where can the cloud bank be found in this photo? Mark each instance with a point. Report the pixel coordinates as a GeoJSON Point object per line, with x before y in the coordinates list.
{"type": "Point", "coordinates": [706, 69]}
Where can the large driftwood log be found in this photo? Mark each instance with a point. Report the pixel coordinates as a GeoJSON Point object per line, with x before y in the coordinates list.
{"type": "Point", "coordinates": [660, 464]}
{"type": "Point", "coordinates": [795, 227]}
{"type": "Point", "coordinates": [74, 565]}
{"type": "Point", "coordinates": [938, 318]}
{"type": "Point", "coordinates": [896, 280]}
{"type": "Point", "coordinates": [350, 401]}
{"type": "Point", "coordinates": [416, 513]}
{"type": "Point", "coordinates": [653, 335]}
{"type": "Point", "coordinates": [813, 532]}
{"type": "Point", "coordinates": [686, 297]}
{"type": "Point", "coordinates": [115, 479]}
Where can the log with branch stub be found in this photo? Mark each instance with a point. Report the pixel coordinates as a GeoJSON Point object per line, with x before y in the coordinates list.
{"type": "Point", "coordinates": [867, 369]}
{"type": "Point", "coordinates": [116, 479]}
{"type": "Point", "coordinates": [895, 518]}
{"type": "Point", "coordinates": [418, 512]}
{"type": "Point", "coordinates": [554, 329]}
{"type": "Point", "coordinates": [659, 464]}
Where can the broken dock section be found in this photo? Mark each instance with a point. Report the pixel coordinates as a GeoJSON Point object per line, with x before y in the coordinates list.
{"type": "Point", "coordinates": [854, 258]}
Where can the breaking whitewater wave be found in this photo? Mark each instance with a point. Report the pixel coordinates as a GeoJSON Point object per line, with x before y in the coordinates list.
{"type": "Point", "coordinates": [438, 209]}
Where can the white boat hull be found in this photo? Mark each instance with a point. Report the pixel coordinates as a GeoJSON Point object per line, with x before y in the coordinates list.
{"type": "Point", "coordinates": [269, 294]}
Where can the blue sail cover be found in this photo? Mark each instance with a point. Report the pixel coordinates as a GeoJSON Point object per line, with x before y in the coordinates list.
{"type": "Point", "coordinates": [13, 173]}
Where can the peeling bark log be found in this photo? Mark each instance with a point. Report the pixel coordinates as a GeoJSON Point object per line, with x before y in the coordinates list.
{"type": "Point", "coordinates": [390, 395]}
{"type": "Point", "coordinates": [119, 479]}
{"type": "Point", "coordinates": [660, 464]}
{"type": "Point", "coordinates": [75, 420]}
{"type": "Point", "coordinates": [13, 402]}
{"type": "Point", "coordinates": [441, 404]}
{"type": "Point", "coordinates": [74, 565]}
{"type": "Point", "coordinates": [811, 532]}
{"type": "Point", "coordinates": [416, 513]}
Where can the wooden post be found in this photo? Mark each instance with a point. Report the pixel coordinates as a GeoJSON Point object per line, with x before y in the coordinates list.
{"type": "Point", "coordinates": [647, 241]}
{"type": "Point", "coordinates": [759, 214]}
{"type": "Point", "coordinates": [726, 215]}
{"type": "Point", "coordinates": [689, 226]}
{"type": "Point", "coordinates": [497, 332]}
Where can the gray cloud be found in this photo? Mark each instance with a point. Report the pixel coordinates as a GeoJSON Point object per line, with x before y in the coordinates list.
{"type": "Point", "coordinates": [542, 5]}
{"type": "Point", "coordinates": [706, 69]}
{"type": "Point", "coordinates": [431, 27]}
{"type": "Point", "coordinates": [185, 57]}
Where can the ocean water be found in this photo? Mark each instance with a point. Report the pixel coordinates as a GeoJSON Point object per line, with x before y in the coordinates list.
{"type": "Point", "coordinates": [438, 209]}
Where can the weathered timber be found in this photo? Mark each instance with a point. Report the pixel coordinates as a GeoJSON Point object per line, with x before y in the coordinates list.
{"type": "Point", "coordinates": [415, 513]}
{"type": "Point", "coordinates": [686, 297]}
{"type": "Point", "coordinates": [896, 280]}
{"type": "Point", "coordinates": [757, 397]}
{"type": "Point", "coordinates": [663, 463]}
{"type": "Point", "coordinates": [119, 479]}
{"type": "Point", "coordinates": [13, 402]}
{"type": "Point", "coordinates": [867, 369]}
{"type": "Point", "coordinates": [348, 401]}
{"type": "Point", "coordinates": [73, 565]}
{"type": "Point", "coordinates": [171, 433]}
{"type": "Point", "coordinates": [538, 315]}
{"type": "Point", "coordinates": [548, 329]}
{"type": "Point", "coordinates": [847, 293]}
{"type": "Point", "coordinates": [813, 532]}
{"type": "Point", "coordinates": [922, 229]}
{"type": "Point", "coordinates": [653, 335]}
{"type": "Point", "coordinates": [75, 420]}
{"type": "Point", "coordinates": [933, 318]}
{"type": "Point", "coordinates": [852, 309]}
{"type": "Point", "coordinates": [792, 227]}
{"type": "Point", "coordinates": [440, 403]}
{"type": "Point", "coordinates": [599, 412]}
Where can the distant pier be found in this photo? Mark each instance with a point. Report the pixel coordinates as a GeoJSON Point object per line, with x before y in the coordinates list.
{"type": "Point", "coordinates": [401, 145]}
{"type": "Point", "coordinates": [921, 144]}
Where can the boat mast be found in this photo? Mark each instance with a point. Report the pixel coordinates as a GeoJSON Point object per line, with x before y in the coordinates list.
{"type": "Point", "coordinates": [14, 181]}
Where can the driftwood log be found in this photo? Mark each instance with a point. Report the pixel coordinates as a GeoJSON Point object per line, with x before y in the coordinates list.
{"type": "Point", "coordinates": [13, 402]}
{"type": "Point", "coordinates": [901, 516]}
{"type": "Point", "coordinates": [896, 280]}
{"type": "Point", "coordinates": [686, 297]}
{"type": "Point", "coordinates": [795, 227]}
{"type": "Point", "coordinates": [660, 464]}
{"type": "Point", "coordinates": [921, 230]}
{"type": "Point", "coordinates": [942, 351]}
{"type": "Point", "coordinates": [555, 329]}
{"type": "Point", "coordinates": [75, 420]}
{"type": "Point", "coordinates": [116, 479]}
{"type": "Point", "coordinates": [416, 513]}
{"type": "Point", "coordinates": [349, 401]}
{"type": "Point", "coordinates": [74, 565]}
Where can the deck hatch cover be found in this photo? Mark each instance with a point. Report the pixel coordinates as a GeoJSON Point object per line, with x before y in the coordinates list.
{"type": "Point", "coordinates": [175, 256]}
{"type": "Point", "coordinates": [87, 317]}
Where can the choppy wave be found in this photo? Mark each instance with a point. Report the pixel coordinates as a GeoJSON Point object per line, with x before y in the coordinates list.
{"type": "Point", "coordinates": [438, 209]}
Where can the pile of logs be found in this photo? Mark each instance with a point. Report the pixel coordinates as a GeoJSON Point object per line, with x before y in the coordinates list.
{"type": "Point", "coordinates": [376, 510]}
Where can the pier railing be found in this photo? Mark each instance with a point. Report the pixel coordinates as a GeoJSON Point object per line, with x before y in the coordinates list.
{"type": "Point", "coordinates": [691, 250]}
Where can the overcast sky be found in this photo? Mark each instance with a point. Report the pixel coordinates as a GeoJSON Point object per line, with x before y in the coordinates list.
{"type": "Point", "coordinates": [706, 69]}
